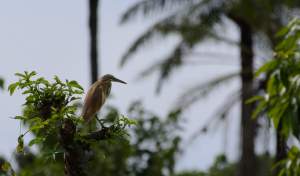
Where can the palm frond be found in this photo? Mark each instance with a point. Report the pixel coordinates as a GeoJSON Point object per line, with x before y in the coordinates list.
{"type": "Point", "coordinates": [149, 70]}
{"type": "Point", "coordinates": [147, 7]}
{"type": "Point", "coordinates": [174, 60]}
{"type": "Point", "coordinates": [221, 114]}
{"type": "Point", "coordinates": [181, 22]}
{"type": "Point", "coordinates": [192, 23]}
{"type": "Point", "coordinates": [149, 35]}
{"type": "Point", "coordinates": [195, 93]}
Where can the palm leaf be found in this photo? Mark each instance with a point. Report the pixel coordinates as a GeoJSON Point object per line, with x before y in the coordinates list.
{"type": "Point", "coordinates": [147, 7]}
{"type": "Point", "coordinates": [190, 32]}
{"type": "Point", "coordinates": [182, 23]}
{"type": "Point", "coordinates": [221, 114]}
{"type": "Point", "coordinates": [195, 93]}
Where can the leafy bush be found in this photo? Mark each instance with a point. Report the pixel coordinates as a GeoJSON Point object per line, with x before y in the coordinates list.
{"type": "Point", "coordinates": [281, 101]}
{"type": "Point", "coordinates": [50, 115]}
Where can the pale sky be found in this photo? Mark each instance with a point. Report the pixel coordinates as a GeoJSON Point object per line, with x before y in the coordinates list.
{"type": "Point", "coordinates": [51, 37]}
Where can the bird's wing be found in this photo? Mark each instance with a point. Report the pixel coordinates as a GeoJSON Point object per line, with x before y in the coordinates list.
{"type": "Point", "coordinates": [93, 102]}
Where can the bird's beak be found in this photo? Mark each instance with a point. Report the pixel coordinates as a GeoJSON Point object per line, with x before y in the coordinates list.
{"type": "Point", "coordinates": [118, 80]}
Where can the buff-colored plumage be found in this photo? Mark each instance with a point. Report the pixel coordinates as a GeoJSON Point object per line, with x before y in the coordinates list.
{"type": "Point", "coordinates": [97, 95]}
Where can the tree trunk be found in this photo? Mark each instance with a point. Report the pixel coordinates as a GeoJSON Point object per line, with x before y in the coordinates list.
{"type": "Point", "coordinates": [78, 152]}
{"type": "Point", "coordinates": [280, 148]}
{"type": "Point", "coordinates": [73, 153]}
{"type": "Point", "coordinates": [93, 27]}
{"type": "Point", "coordinates": [248, 161]}
{"type": "Point", "coordinates": [247, 165]}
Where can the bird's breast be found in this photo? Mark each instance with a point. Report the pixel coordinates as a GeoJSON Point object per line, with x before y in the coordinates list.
{"type": "Point", "coordinates": [107, 90]}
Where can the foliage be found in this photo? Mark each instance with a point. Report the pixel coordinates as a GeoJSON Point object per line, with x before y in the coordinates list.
{"type": "Point", "coordinates": [222, 167]}
{"type": "Point", "coordinates": [46, 106]}
{"type": "Point", "coordinates": [290, 166]}
{"type": "Point", "coordinates": [49, 112]}
{"type": "Point", "coordinates": [194, 22]}
{"type": "Point", "coordinates": [5, 168]}
{"type": "Point", "coordinates": [187, 21]}
{"type": "Point", "coordinates": [155, 142]}
{"type": "Point", "coordinates": [281, 100]}
{"type": "Point", "coordinates": [152, 148]}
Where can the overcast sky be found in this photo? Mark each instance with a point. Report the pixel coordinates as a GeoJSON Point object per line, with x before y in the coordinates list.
{"type": "Point", "coordinates": [51, 37]}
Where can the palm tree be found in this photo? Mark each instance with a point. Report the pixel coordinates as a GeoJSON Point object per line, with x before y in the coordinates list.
{"type": "Point", "coordinates": [93, 28]}
{"type": "Point", "coordinates": [195, 21]}
{"type": "Point", "coordinates": [1, 83]}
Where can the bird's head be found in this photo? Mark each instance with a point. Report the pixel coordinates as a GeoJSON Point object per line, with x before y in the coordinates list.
{"type": "Point", "coordinates": [109, 77]}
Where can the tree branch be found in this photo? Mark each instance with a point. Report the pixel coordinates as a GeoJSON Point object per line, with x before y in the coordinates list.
{"type": "Point", "coordinates": [102, 134]}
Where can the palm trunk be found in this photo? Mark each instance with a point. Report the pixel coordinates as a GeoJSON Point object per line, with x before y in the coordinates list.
{"type": "Point", "coordinates": [247, 165]}
{"type": "Point", "coordinates": [93, 27]}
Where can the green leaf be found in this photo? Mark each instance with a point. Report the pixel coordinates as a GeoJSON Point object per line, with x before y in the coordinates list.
{"type": "Point", "coordinates": [33, 73]}
{"type": "Point", "coordinates": [20, 147]}
{"type": "Point", "coordinates": [39, 126]}
{"type": "Point", "coordinates": [26, 92]}
{"type": "Point", "coordinates": [36, 141]}
{"type": "Point", "coordinates": [58, 81]}
{"type": "Point", "coordinates": [271, 85]}
{"type": "Point", "coordinates": [294, 150]}
{"type": "Point", "coordinates": [260, 107]}
{"type": "Point", "coordinates": [269, 66]}
{"type": "Point", "coordinates": [283, 31]}
{"type": "Point", "coordinates": [78, 92]}
{"type": "Point", "coordinates": [131, 122]}
{"type": "Point", "coordinates": [43, 81]}
{"type": "Point", "coordinates": [75, 84]}
{"type": "Point", "coordinates": [286, 44]}
{"type": "Point", "coordinates": [6, 166]}
{"type": "Point", "coordinates": [20, 117]}
{"type": "Point", "coordinates": [277, 112]}
{"type": "Point", "coordinates": [20, 75]}
{"type": "Point", "coordinates": [12, 87]}
{"type": "Point", "coordinates": [254, 99]}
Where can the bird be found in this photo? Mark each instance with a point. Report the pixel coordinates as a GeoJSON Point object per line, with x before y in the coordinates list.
{"type": "Point", "coordinates": [96, 96]}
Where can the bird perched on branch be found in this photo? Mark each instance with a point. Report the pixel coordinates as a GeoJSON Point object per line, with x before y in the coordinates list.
{"type": "Point", "coordinates": [97, 95]}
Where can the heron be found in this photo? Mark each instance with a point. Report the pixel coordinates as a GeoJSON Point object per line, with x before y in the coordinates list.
{"type": "Point", "coordinates": [96, 96]}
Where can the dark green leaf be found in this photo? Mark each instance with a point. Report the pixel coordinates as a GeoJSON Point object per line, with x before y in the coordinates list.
{"type": "Point", "coordinates": [282, 32]}
{"type": "Point", "coordinates": [43, 81]}
{"type": "Point", "coordinates": [57, 80]}
{"type": "Point", "coordinates": [20, 117]}
{"type": "Point", "coordinates": [260, 107]}
{"type": "Point", "coordinates": [75, 84]}
{"type": "Point", "coordinates": [269, 66]}
{"type": "Point", "coordinates": [254, 99]}
{"type": "Point", "coordinates": [20, 75]}
{"type": "Point", "coordinates": [33, 73]}
{"type": "Point", "coordinates": [12, 87]}
{"type": "Point", "coordinates": [5, 167]}
{"type": "Point", "coordinates": [26, 92]}
{"type": "Point", "coordinates": [36, 141]}
{"type": "Point", "coordinates": [20, 147]}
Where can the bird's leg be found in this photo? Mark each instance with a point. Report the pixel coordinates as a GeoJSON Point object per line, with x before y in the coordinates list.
{"type": "Point", "coordinates": [100, 121]}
